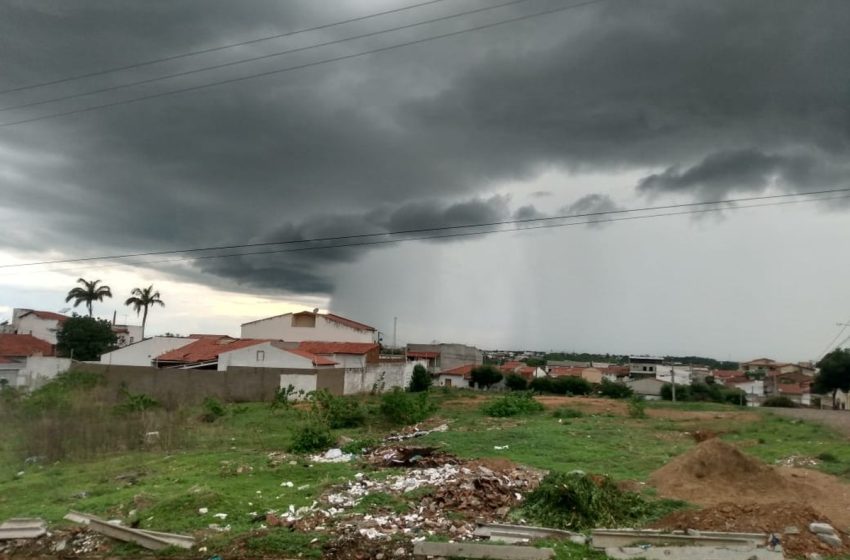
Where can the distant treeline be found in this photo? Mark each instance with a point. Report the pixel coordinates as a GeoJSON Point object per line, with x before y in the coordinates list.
{"type": "Point", "coordinates": [700, 361]}
{"type": "Point", "coordinates": [622, 360]}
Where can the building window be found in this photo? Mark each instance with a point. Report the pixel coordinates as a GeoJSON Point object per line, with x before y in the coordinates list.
{"type": "Point", "coordinates": [261, 355]}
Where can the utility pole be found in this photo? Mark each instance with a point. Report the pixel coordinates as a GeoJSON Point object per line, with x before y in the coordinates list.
{"type": "Point", "coordinates": [673, 380]}
{"type": "Point", "coordinates": [395, 331]}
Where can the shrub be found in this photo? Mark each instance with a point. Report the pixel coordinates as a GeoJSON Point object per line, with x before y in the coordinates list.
{"type": "Point", "coordinates": [569, 385]}
{"type": "Point", "coordinates": [516, 382]}
{"type": "Point", "coordinates": [213, 409]}
{"type": "Point", "coordinates": [580, 501]}
{"type": "Point", "coordinates": [565, 412]}
{"type": "Point", "coordinates": [420, 380]}
{"type": "Point", "coordinates": [637, 407]}
{"type": "Point", "coordinates": [337, 412]}
{"type": "Point", "coordinates": [827, 457]}
{"type": "Point", "coordinates": [485, 376]}
{"type": "Point", "coordinates": [135, 402]}
{"type": "Point", "coordinates": [398, 407]}
{"type": "Point", "coordinates": [512, 405]}
{"type": "Point", "coordinates": [615, 390]}
{"type": "Point", "coordinates": [779, 402]}
{"type": "Point", "coordinates": [704, 392]}
{"type": "Point", "coordinates": [541, 385]}
{"type": "Point", "coordinates": [283, 396]}
{"type": "Point", "coordinates": [313, 436]}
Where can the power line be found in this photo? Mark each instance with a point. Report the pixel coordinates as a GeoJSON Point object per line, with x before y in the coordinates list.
{"type": "Point", "coordinates": [831, 342]}
{"type": "Point", "coordinates": [300, 66]}
{"type": "Point", "coordinates": [459, 234]}
{"type": "Point", "coordinates": [430, 229]}
{"type": "Point", "coordinates": [216, 49]}
{"type": "Point", "coordinates": [255, 58]}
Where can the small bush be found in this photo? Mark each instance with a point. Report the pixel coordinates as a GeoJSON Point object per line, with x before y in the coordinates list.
{"type": "Point", "coordinates": [779, 402]}
{"type": "Point", "coordinates": [213, 409]}
{"type": "Point", "coordinates": [565, 412]}
{"type": "Point", "coordinates": [827, 457]}
{"type": "Point", "coordinates": [136, 402]}
{"type": "Point", "coordinates": [512, 405]}
{"type": "Point", "coordinates": [283, 396]}
{"type": "Point", "coordinates": [566, 385]}
{"type": "Point", "coordinates": [615, 390]}
{"type": "Point", "coordinates": [516, 382]}
{"type": "Point", "coordinates": [311, 437]}
{"type": "Point", "coordinates": [357, 446]}
{"type": "Point", "coordinates": [637, 407]}
{"type": "Point", "coordinates": [579, 501]}
{"type": "Point", "coordinates": [485, 376]}
{"type": "Point", "coordinates": [420, 380]}
{"type": "Point", "coordinates": [400, 408]}
{"type": "Point", "coordinates": [338, 412]}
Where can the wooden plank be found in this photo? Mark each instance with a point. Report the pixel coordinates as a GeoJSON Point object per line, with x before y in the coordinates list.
{"type": "Point", "coordinates": [471, 550]}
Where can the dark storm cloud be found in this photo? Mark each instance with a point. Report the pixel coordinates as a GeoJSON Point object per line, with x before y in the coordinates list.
{"type": "Point", "coordinates": [713, 97]}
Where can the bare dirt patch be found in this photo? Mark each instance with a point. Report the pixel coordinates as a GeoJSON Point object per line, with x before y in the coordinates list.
{"type": "Point", "coordinates": [715, 472]}
{"type": "Point", "coordinates": [788, 520]}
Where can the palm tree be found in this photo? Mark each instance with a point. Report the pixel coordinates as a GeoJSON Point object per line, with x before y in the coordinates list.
{"type": "Point", "coordinates": [88, 293]}
{"type": "Point", "coordinates": [142, 299]}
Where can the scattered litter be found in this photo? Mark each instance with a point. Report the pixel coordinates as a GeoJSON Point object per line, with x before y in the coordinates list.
{"type": "Point", "coordinates": [398, 456]}
{"type": "Point", "coordinates": [334, 455]}
{"type": "Point", "coordinates": [203, 511]}
{"type": "Point", "coordinates": [287, 484]}
{"type": "Point", "coordinates": [797, 461]}
{"type": "Point", "coordinates": [303, 487]}
{"type": "Point", "coordinates": [221, 516]}
{"type": "Point", "coordinates": [277, 458]}
{"type": "Point", "coordinates": [500, 447]}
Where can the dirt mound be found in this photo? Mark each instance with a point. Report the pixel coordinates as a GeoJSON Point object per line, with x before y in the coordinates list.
{"type": "Point", "coordinates": [715, 466]}
{"type": "Point", "coordinates": [788, 520]}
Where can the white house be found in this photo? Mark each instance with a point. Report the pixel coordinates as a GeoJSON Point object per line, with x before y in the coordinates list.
{"type": "Point", "coordinates": [38, 370]}
{"type": "Point", "coordinates": [644, 366]}
{"type": "Point", "coordinates": [273, 355]}
{"type": "Point", "coordinates": [127, 334]}
{"type": "Point", "coordinates": [40, 324]}
{"type": "Point", "coordinates": [310, 325]}
{"type": "Point", "coordinates": [144, 352]}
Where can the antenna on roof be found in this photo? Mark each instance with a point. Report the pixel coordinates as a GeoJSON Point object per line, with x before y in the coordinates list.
{"type": "Point", "coordinates": [315, 310]}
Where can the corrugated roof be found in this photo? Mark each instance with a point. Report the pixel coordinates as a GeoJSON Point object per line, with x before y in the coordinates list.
{"type": "Point", "coordinates": [22, 345]}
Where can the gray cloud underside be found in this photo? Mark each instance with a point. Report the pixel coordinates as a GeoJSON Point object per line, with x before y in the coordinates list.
{"type": "Point", "coordinates": [719, 97]}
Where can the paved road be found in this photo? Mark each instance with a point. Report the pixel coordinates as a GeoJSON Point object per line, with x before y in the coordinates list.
{"type": "Point", "coordinates": [836, 419]}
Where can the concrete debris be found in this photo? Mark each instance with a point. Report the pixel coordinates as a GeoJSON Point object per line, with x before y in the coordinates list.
{"type": "Point", "coordinates": [468, 550]}
{"type": "Point", "coordinates": [203, 511]}
{"type": "Point", "coordinates": [824, 528]}
{"type": "Point", "coordinates": [613, 538]}
{"type": "Point", "coordinates": [501, 447]}
{"type": "Point", "coordinates": [399, 456]}
{"type": "Point", "coordinates": [415, 432]}
{"type": "Point", "coordinates": [692, 553]}
{"type": "Point", "coordinates": [153, 540]}
{"type": "Point", "coordinates": [334, 455]}
{"type": "Point", "coordinates": [22, 528]}
{"type": "Point", "coordinates": [522, 533]}
{"type": "Point", "coordinates": [797, 461]}
{"type": "Point", "coordinates": [277, 458]}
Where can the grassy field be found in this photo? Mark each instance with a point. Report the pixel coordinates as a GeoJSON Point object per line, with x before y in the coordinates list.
{"type": "Point", "coordinates": [224, 465]}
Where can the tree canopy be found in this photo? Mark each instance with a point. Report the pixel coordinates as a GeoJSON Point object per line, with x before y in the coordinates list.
{"type": "Point", "coordinates": [834, 373]}
{"type": "Point", "coordinates": [88, 292]}
{"type": "Point", "coordinates": [420, 380]}
{"type": "Point", "coordinates": [143, 298]}
{"type": "Point", "coordinates": [485, 376]}
{"type": "Point", "coordinates": [85, 338]}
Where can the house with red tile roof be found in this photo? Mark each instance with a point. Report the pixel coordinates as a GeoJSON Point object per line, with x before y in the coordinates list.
{"type": "Point", "coordinates": [21, 346]}
{"type": "Point", "coordinates": [310, 325]}
{"type": "Point", "coordinates": [203, 353]}
{"type": "Point", "coordinates": [444, 356]}
{"type": "Point", "coordinates": [26, 362]}
{"type": "Point", "coordinates": [40, 324]}
{"type": "Point", "coordinates": [273, 354]}
{"type": "Point", "coordinates": [460, 376]}
{"type": "Point", "coordinates": [348, 355]}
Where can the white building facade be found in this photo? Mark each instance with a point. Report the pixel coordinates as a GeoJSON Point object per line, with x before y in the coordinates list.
{"type": "Point", "coordinates": [309, 325]}
{"type": "Point", "coordinates": [144, 353]}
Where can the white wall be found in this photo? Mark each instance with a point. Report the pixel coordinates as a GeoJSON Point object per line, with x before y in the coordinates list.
{"type": "Point", "coordinates": [45, 329]}
{"type": "Point", "coordinates": [38, 370]}
{"type": "Point", "coordinates": [271, 357]}
{"type": "Point", "coordinates": [301, 381]}
{"type": "Point", "coordinates": [280, 328]}
{"type": "Point", "coordinates": [9, 372]}
{"type": "Point", "coordinates": [388, 375]}
{"type": "Point", "coordinates": [350, 361]}
{"type": "Point", "coordinates": [753, 387]}
{"type": "Point", "coordinates": [143, 353]}
{"type": "Point", "coordinates": [456, 381]}
{"type": "Point", "coordinates": [132, 336]}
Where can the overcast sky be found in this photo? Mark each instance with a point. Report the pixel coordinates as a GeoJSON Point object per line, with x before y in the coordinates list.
{"type": "Point", "coordinates": [616, 104]}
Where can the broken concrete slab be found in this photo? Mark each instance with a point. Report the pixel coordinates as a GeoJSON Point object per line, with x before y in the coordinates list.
{"type": "Point", "coordinates": [522, 533]}
{"type": "Point", "coordinates": [822, 528]}
{"type": "Point", "coordinates": [22, 528]}
{"type": "Point", "coordinates": [693, 553]}
{"type": "Point", "coordinates": [470, 550]}
{"type": "Point", "coordinates": [830, 539]}
{"type": "Point", "coordinates": [153, 540]}
{"type": "Point", "coordinates": [615, 538]}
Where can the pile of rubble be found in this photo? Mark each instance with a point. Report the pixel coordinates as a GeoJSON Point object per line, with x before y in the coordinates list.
{"type": "Point", "coordinates": [400, 456]}
{"type": "Point", "coordinates": [74, 542]}
{"type": "Point", "coordinates": [448, 499]}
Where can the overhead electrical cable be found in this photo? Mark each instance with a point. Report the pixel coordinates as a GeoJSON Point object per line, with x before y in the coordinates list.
{"type": "Point", "coordinates": [432, 229]}
{"type": "Point", "coordinates": [453, 235]}
{"type": "Point", "coordinates": [298, 66]}
{"type": "Point", "coordinates": [257, 58]}
{"type": "Point", "coordinates": [217, 48]}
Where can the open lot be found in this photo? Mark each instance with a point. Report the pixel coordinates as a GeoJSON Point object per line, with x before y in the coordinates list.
{"type": "Point", "coordinates": [238, 465]}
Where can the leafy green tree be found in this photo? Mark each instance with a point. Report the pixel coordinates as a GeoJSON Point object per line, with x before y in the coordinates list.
{"type": "Point", "coordinates": [516, 382]}
{"type": "Point", "coordinates": [85, 338]}
{"type": "Point", "coordinates": [141, 299]}
{"type": "Point", "coordinates": [88, 293]}
{"type": "Point", "coordinates": [535, 362]}
{"type": "Point", "coordinates": [834, 373]}
{"type": "Point", "coordinates": [485, 376]}
{"type": "Point", "coordinates": [420, 380]}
